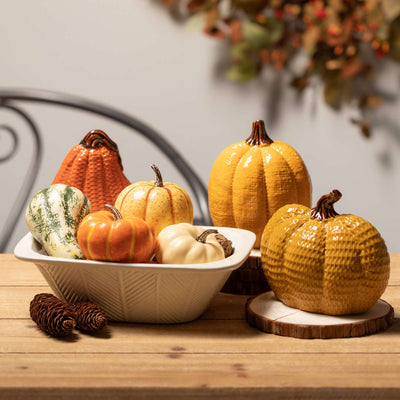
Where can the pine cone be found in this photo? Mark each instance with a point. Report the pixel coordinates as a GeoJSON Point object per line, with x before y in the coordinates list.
{"type": "Point", "coordinates": [225, 243]}
{"type": "Point", "coordinates": [89, 317]}
{"type": "Point", "coordinates": [52, 315]}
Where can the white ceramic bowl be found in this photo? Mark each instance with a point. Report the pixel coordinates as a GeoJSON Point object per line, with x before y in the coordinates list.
{"type": "Point", "coordinates": [152, 293]}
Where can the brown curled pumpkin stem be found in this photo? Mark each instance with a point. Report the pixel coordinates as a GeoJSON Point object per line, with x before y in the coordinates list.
{"type": "Point", "coordinates": [115, 211]}
{"type": "Point", "coordinates": [324, 208]}
{"type": "Point", "coordinates": [203, 236]}
{"type": "Point", "coordinates": [258, 134]}
{"type": "Point", "coordinates": [97, 138]}
{"type": "Point", "coordinates": [159, 181]}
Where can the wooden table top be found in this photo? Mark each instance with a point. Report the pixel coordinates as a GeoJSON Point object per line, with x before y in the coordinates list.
{"type": "Point", "coordinates": [217, 356]}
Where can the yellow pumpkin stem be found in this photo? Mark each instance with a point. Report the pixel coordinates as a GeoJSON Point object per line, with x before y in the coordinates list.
{"type": "Point", "coordinates": [159, 181]}
{"type": "Point", "coordinates": [115, 211]}
{"type": "Point", "coordinates": [203, 236]}
{"type": "Point", "coordinates": [324, 208]}
{"type": "Point", "coordinates": [259, 134]}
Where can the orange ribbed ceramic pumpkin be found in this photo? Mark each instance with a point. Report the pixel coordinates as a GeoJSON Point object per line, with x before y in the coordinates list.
{"type": "Point", "coordinates": [94, 166]}
{"type": "Point", "coordinates": [319, 261]}
{"type": "Point", "coordinates": [252, 179]}
{"type": "Point", "coordinates": [106, 236]}
{"type": "Point", "coordinates": [157, 202]}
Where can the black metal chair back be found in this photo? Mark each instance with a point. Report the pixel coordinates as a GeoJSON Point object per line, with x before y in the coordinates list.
{"type": "Point", "coordinates": [11, 99]}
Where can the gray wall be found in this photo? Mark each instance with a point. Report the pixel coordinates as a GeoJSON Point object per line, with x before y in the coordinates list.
{"type": "Point", "coordinates": [131, 55]}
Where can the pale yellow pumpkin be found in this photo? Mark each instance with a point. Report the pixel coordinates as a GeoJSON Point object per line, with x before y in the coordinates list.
{"type": "Point", "coordinates": [158, 203]}
{"type": "Point", "coordinates": [319, 261]}
{"type": "Point", "coordinates": [250, 180]}
{"type": "Point", "coordinates": [188, 244]}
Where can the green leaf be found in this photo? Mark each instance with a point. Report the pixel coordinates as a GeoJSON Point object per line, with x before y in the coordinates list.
{"type": "Point", "coordinates": [196, 22]}
{"type": "Point", "coordinates": [262, 36]}
{"type": "Point", "coordinates": [242, 51]}
{"type": "Point", "coordinates": [242, 72]}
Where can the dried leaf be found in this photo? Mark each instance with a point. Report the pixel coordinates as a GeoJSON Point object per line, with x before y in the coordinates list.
{"type": "Point", "coordinates": [333, 92]}
{"type": "Point", "coordinates": [364, 126]}
{"type": "Point", "coordinates": [394, 39]}
{"type": "Point", "coordinates": [351, 68]}
{"type": "Point", "coordinates": [168, 3]}
{"type": "Point", "coordinates": [300, 82]}
{"type": "Point", "coordinates": [212, 17]}
{"type": "Point", "coordinates": [370, 101]}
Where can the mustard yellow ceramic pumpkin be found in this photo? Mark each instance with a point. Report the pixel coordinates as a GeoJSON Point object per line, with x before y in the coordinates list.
{"type": "Point", "coordinates": [317, 260]}
{"type": "Point", "coordinates": [250, 180]}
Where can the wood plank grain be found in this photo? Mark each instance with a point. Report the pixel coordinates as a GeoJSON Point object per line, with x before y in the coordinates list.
{"type": "Point", "coordinates": [200, 370]}
{"type": "Point", "coordinates": [14, 272]}
{"type": "Point", "coordinates": [14, 303]}
{"type": "Point", "coordinates": [198, 337]}
{"type": "Point", "coordinates": [226, 393]}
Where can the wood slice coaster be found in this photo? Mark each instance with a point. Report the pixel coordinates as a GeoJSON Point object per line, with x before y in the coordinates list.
{"type": "Point", "coordinates": [270, 315]}
{"type": "Point", "coordinates": [249, 279]}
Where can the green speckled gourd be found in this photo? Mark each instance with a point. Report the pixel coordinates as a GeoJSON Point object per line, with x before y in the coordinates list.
{"type": "Point", "coordinates": [53, 217]}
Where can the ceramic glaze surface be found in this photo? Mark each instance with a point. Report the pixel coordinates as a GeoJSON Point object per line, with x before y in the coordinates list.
{"type": "Point", "coordinates": [336, 265]}
{"type": "Point", "coordinates": [140, 292]}
{"type": "Point", "coordinates": [94, 166]}
{"type": "Point", "coordinates": [157, 202]}
{"type": "Point", "coordinates": [252, 179]}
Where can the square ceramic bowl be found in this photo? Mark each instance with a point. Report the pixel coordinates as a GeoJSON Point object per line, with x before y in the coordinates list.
{"type": "Point", "coordinates": [150, 293]}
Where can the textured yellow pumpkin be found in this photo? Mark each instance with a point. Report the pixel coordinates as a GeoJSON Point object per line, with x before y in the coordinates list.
{"type": "Point", "coordinates": [158, 203]}
{"type": "Point", "coordinates": [319, 261]}
{"type": "Point", "coordinates": [252, 179]}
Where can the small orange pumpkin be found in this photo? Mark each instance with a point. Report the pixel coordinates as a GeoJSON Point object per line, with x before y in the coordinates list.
{"type": "Point", "coordinates": [252, 179]}
{"type": "Point", "coordinates": [94, 166]}
{"type": "Point", "coordinates": [157, 202]}
{"type": "Point", "coordinates": [106, 236]}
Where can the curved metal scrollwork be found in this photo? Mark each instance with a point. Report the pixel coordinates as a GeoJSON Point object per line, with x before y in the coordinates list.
{"type": "Point", "coordinates": [30, 177]}
{"type": "Point", "coordinates": [9, 96]}
{"type": "Point", "coordinates": [14, 138]}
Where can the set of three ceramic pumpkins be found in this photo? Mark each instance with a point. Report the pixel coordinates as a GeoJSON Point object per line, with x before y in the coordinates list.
{"type": "Point", "coordinates": [313, 259]}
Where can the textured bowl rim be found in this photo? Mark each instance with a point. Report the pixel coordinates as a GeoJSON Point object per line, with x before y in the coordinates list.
{"type": "Point", "coordinates": [27, 250]}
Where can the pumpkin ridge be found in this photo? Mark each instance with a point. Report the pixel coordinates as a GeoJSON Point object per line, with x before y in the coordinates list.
{"type": "Point", "coordinates": [146, 202]}
{"type": "Point", "coordinates": [284, 242]}
{"type": "Point", "coordinates": [185, 195]}
{"type": "Point", "coordinates": [350, 273]}
{"type": "Point", "coordinates": [246, 203]}
{"type": "Point", "coordinates": [286, 250]}
{"type": "Point", "coordinates": [322, 304]}
{"type": "Point", "coordinates": [133, 240]}
{"type": "Point", "coordinates": [268, 216]}
{"type": "Point", "coordinates": [88, 236]}
{"type": "Point", "coordinates": [301, 178]}
{"type": "Point", "coordinates": [362, 239]}
{"type": "Point", "coordinates": [291, 171]}
{"type": "Point", "coordinates": [171, 202]}
{"type": "Point", "coordinates": [291, 190]}
{"type": "Point", "coordinates": [108, 242]}
{"type": "Point", "coordinates": [125, 192]}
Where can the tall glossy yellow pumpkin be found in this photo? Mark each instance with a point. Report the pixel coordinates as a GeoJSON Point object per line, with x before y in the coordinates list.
{"type": "Point", "coordinates": [250, 180]}
{"type": "Point", "coordinates": [319, 261]}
